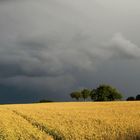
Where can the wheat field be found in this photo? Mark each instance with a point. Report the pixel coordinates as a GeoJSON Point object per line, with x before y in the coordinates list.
{"type": "Point", "coordinates": [71, 121]}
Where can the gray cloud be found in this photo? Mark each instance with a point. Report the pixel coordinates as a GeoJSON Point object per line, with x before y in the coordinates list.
{"type": "Point", "coordinates": [55, 45]}
{"type": "Point", "coordinates": [123, 47]}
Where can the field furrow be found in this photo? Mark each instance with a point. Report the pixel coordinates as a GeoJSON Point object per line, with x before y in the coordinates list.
{"type": "Point", "coordinates": [55, 135]}
{"type": "Point", "coordinates": [14, 127]}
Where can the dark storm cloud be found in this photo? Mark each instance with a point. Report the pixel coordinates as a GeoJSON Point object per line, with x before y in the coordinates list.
{"type": "Point", "coordinates": [50, 48]}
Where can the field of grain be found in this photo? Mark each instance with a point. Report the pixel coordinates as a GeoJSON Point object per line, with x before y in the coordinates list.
{"type": "Point", "coordinates": [71, 121]}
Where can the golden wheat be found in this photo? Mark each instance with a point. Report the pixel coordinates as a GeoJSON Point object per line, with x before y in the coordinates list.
{"type": "Point", "coordinates": [71, 121]}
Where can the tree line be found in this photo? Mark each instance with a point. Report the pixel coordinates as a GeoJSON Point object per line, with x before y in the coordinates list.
{"type": "Point", "coordinates": [101, 93]}
{"type": "Point", "coordinates": [131, 98]}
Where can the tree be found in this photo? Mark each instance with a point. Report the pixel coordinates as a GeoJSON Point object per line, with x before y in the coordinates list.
{"type": "Point", "coordinates": [76, 95]}
{"type": "Point", "coordinates": [114, 95]}
{"type": "Point", "coordinates": [85, 93]}
{"type": "Point", "coordinates": [105, 93]}
{"type": "Point", "coordinates": [93, 95]}
{"type": "Point", "coordinates": [131, 98]}
{"type": "Point", "coordinates": [138, 97]}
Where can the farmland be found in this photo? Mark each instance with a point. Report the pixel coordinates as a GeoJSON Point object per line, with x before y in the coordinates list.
{"type": "Point", "coordinates": [71, 121]}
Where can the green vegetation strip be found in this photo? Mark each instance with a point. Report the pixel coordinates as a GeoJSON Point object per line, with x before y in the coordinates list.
{"type": "Point", "coordinates": [55, 134]}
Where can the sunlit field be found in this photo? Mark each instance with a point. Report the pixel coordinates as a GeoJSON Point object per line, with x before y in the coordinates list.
{"type": "Point", "coordinates": [71, 121]}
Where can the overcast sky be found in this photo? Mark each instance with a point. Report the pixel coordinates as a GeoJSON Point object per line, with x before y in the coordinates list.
{"type": "Point", "coordinates": [49, 48]}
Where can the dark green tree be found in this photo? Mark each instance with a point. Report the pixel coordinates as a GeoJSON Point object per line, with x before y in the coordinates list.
{"type": "Point", "coordinates": [93, 95]}
{"type": "Point", "coordinates": [85, 93]}
{"type": "Point", "coordinates": [106, 93]}
{"type": "Point", "coordinates": [131, 98]}
{"type": "Point", "coordinates": [77, 95]}
{"type": "Point", "coordinates": [138, 97]}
